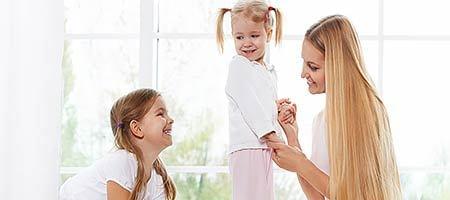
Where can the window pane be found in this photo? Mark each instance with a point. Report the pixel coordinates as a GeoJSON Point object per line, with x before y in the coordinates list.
{"type": "Point", "coordinates": [96, 73]}
{"type": "Point", "coordinates": [287, 186]}
{"type": "Point", "coordinates": [416, 17]}
{"type": "Point", "coordinates": [416, 94]}
{"type": "Point", "coordinates": [218, 186]}
{"type": "Point", "coordinates": [102, 16]}
{"type": "Point", "coordinates": [300, 15]}
{"type": "Point", "coordinates": [195, 16]}
{"type": "Point", "coordinates": [423, 185]}
{"type": "Point", "coordinates": [202, 186]}
{"type": "Point", "coordinates": [192, 76]}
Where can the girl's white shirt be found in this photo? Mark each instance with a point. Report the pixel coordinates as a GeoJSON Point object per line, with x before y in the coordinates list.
{"type": "Point", "coordinates": [119, 166]}
{"type": "Point", "coordinates": [251, 90]}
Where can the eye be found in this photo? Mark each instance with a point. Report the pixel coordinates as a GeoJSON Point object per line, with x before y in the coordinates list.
{"type": "Point", "coordinates": [312, 68]}
{"type": "Point", "coordinates": [160, 114]}
{"type": "Point", "coordinates": [239, 37]}
{"type": "Point", "coordinates": [255, 36]}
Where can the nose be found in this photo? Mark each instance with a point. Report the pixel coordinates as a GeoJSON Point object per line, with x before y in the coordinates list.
{"type": "Point", "coordinates": [171, 121]}
{"type": "Point", "coordinates": [247, 43]}
{"type": "Point", "coordinates": [303, 74]}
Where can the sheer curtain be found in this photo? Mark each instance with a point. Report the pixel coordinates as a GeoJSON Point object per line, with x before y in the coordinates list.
{"type": "Point", "coordinates": [31, 45]}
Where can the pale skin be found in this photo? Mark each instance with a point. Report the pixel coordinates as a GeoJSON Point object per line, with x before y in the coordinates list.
{"type": "Point", "coordinates": [313, 181]}
{"type": "Point", "coordinates": [250, 38]}
{"type": "Point", "coordinates": [151, 134]}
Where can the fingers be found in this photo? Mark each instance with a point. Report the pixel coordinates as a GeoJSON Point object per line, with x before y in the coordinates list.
{"type": "Point", "coordinates": [281, 102]}
{"type": "Point", "coordinates": [272, 145]}
{"type": "Point", "coordinates": [287, 118]}
{"type": "Point", "coordinates": [275, 145]}
{"type": "Point", "coordinates": [276, 159]}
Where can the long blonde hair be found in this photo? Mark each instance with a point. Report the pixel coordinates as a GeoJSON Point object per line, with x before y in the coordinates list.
{"type": "Point", "coordinates": [256, 10]}
{"type": "Point", "coordinates": [362, 159]}
{"type": "Point", "coordinates": [134, 106]}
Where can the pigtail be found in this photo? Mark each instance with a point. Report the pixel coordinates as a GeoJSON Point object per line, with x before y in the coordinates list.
{"type": "Point", "coordinates": [169, 186]}
{"type": "Point", "coordinates": [219, 28]}
{"type": "Point", "coordinates": [279, 24]}
{"type": "Point", "coordinates": [141, 179]}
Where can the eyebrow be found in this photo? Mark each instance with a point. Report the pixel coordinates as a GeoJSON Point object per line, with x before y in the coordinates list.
{"type": "Point", "coordinates": [160, 109]}
{"type": "Point", "coordinates": [311, 62]}
{"type": "Point", "coordinates": [251, 32]}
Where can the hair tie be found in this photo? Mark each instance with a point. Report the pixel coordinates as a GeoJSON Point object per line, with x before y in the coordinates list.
{"type": "Point", "coordinates": [119, 125]}
{"type": "Point", "coordinates": [268, 14]}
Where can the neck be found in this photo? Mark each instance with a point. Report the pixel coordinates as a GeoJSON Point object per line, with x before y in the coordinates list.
{"type": "Point", "coordinates": [150, 154]}
{"type": "Point", "coordinates": [261, 61]}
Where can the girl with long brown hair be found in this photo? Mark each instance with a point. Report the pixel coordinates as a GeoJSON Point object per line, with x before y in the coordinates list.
{"type": "Point", "coordinates": [142, 129]}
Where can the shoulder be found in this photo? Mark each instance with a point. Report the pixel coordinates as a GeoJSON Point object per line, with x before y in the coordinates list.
{"type": "Point", "coordinates": [241, 64]}
{"type": "Point", "coordinates": [240, 60]}
{"type": "Point", "coordinates": [155, 187]}
{"type": "Point", "coordinates": [120, 158]}
{"type": "Point", "coordinates": [119, 166]}
{"type": "Point", "coordinates": [319, 120]}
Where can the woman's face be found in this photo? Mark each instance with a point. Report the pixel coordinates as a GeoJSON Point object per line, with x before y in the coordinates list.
{"type": "Point", "coordinates": [313, 68]}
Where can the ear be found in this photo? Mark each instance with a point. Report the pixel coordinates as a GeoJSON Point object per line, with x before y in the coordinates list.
{"type": "Point", "coordinates": [136, 129]}
{"type": "Point", "coordinates": [269, 35]}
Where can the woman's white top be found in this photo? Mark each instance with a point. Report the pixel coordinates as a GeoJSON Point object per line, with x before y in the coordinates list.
{"type": "Point", "coordinates": [319, 153]}
{"type": "Point", "coordinates": [251, 90]}
{"type": "Point", "coordinates": [119, 166]}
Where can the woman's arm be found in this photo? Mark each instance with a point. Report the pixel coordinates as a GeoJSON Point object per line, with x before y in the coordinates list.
{"type": "Point", "coordinates": [116, 192]}
{"type": "Point", "coordinates": [292, 138]}
{"type": "Point", "coordinates": [287, 119]}
{"type": "Point", "coordinates": [310, 192]}
{"type": "Point", "coordinates": [292, 159]}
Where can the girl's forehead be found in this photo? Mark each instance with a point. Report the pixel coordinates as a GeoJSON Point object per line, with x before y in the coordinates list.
{"type": "Point", "coordinates": [246, 24]}
{"type": "Point", "coordinates": [158, 104]}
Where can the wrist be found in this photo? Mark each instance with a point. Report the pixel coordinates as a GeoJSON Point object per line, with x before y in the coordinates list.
{"type": "Point", "coordinates": [304, 164]}
{"type": "Point", "coordinates": [293, 142]}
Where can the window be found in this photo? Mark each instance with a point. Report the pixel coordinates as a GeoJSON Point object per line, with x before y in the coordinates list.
{"type": "Point", "coordinates": [115, 46]}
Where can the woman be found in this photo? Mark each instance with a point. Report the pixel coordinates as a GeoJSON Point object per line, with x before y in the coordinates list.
{"type": "Point", "coordinates": [352, 155]}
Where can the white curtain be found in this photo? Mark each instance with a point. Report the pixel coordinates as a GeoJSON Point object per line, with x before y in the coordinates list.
{"type": "Point", "coordinates": [31, 45]}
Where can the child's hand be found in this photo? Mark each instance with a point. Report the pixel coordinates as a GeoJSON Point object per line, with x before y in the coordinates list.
{"type": "Point", "coordinates": [272, 137]}
{"type": "Point", "coordinates": [286, 111]}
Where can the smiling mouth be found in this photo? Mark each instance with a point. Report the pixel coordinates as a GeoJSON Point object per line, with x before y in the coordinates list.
{"type": "Point", "coordinates": [249, 51]}
{"type": "Point", "coordinates": [168, 132]}
{"type": "Point", "coordinates": [310, 83]}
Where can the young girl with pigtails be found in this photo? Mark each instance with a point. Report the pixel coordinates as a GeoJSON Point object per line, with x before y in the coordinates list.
{"type": "Point", "coordinates": [251, 90]}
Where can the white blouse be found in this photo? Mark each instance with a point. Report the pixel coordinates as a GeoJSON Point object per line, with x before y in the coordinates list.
{"type": "Point", "coordinates": [319, 153]}
{"type": "Point", "coordinates": [251, 90]}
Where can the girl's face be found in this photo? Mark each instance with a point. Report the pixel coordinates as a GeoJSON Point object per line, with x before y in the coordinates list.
{"type": "Point", "coordinates": [156, 125]}
{"type": "Point", "coordinates": [313, 68]}
{"type": "Point", "coordinates": [250, 38]}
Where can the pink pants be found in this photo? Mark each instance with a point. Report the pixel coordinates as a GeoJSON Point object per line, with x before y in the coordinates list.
{"type": "Point", "coordinates": [252, 174]}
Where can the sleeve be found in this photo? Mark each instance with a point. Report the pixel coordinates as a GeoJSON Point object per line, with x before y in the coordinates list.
{"type": "Point", "coordinates": [242, 89]}
{"type": "Point", "coordinates": [120, 169]}
{"type": "Point", "coordinates": [157, 191]}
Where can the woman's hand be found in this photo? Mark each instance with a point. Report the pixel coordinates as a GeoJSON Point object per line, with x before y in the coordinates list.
{"type": "Point", "coordinates": [287, 157]}
{"type": "Point", "coordinates": [287, 119]}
